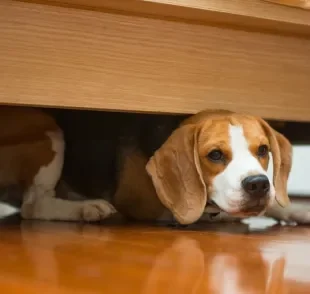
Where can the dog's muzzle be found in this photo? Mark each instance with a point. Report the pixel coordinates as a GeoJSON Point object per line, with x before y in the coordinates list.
{"type": "Point", "coordinates": [257, 186]}
{"type": "Point", "coordinates": [257, 190]}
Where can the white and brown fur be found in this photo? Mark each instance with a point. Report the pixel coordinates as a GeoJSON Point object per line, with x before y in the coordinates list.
{"type": "Point", "coordinates": [133, 165]}
{"type": "Point", "coordinates": [31, 156]}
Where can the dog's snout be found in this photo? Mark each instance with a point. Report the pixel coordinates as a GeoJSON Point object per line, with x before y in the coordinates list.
{"type": "Point", "coordinates": [257, 186]}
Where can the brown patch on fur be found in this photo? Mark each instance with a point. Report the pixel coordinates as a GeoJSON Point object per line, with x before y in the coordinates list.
{"type": "Point", "coordinates": [23, 125]}
{"type": "Point", "coordinates": [281, 150]}
{"type": "Point", "coordinates": [213, 135]}
{"type": "Point", "coordinates": [20, 163]}
{"type": "Point", "coordinates": [24, 144]}
{"type": "Point", "coordinates": [207, 114]}
{"type": "Point", "coordinates": [135, 196]}
{"type": "Point", "coordinates": [176, 174]}
{"type": "Point", "coordinates": [255, 136]}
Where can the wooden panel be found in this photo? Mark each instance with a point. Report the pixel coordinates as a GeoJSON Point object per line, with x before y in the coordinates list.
{"type": "Point", "coordinates": [249, 15]}
{"type": "Point", "coordinates": [55, 56]}
{"type": "Point", "coordinates": [305, 4]}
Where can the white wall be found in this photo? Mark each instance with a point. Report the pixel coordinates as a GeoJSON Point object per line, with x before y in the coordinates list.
{"type": "Point", "coordinates": [299, 180]}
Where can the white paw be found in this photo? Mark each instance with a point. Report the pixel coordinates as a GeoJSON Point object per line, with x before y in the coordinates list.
{"type": "Point", "coordinates": [292, 215]}
{"type": "Point", "coordinates": [295, 213]}
{"type": "Point", "coordinates": [301, 216]}
{"type": "Point", "coordinates": [96, 210]}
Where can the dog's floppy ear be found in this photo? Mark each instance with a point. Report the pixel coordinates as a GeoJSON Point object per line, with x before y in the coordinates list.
{"type": "Point", "coordinates": [177, 177]}
{"type": "Point", "coordinates": [281, 150]}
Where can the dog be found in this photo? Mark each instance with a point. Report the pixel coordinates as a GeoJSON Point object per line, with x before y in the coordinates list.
{"type": "Point", "coordinates": [210, 165]}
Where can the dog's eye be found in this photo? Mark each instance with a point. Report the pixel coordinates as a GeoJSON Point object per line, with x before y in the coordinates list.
{"type": "Point", "coordinates": [216, 155]}
{"type": "Point", "coordinates": [262, 150]}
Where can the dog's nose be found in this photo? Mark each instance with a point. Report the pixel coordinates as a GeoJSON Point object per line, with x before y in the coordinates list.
{"type": "Point", "coordinates": [257, 186]}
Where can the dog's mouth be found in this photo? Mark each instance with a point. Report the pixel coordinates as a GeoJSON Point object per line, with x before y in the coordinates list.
{"type": "Point", "coordinates": [253, 211]}
{"type": "Point", "coordinates": [212, 205]}
{"type": "Point", "coordinates": [255, 207]}
{"type": "Point", "coordinates": [213, 210]}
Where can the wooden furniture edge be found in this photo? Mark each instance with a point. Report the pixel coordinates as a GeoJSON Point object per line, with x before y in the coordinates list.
{"type": "Point", "coordinates": [247, 15]}
{"type": "Point", "coordinates": [66, 57]}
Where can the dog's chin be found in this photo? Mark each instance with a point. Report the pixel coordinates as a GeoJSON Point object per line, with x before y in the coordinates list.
{"type": "Point", "coordinates": [237, 211]}
{"type": "Point", "coordinates": [253, 211]}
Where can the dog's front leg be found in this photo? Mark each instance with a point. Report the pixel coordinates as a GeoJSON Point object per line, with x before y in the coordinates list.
{"type": "Point", "coordinates": [295, 212]}
{"type": "Point", "coordinates": [39, 201]}
{"type": "Point", "coordinates": [41, 204]}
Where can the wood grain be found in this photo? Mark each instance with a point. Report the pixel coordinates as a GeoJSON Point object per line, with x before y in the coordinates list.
{"type": "Point", "coordinates": [305, 4]}
{"type": "Point", "coordinates": [66, 57]}
{"type": "Point", "coordinates": [65, 258]}
{"type": "Point", "coordinates": [245, 14]}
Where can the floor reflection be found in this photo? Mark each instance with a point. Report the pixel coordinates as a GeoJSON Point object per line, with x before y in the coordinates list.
{"type": "Point", "coordinates": [66, 257]}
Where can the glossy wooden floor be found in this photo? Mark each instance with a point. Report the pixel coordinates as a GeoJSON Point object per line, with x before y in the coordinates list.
{"type": "Point", "coordinates": [57, 258]}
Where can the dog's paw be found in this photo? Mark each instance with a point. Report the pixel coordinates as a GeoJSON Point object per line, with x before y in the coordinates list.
{"type": "Point", "coordinates": [299, 216]}
{"type": "Point", "coordinates": [294, 214]}
{"type": "Point", "coordinates": [96, 210]}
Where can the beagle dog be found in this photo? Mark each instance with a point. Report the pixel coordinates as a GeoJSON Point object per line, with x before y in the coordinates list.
{"type": "Point", "coordinates": [210, 165]}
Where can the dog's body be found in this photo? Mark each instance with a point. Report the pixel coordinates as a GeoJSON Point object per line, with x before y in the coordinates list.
{"type": "Point", "coordinates": [115, 148]}
{"type": "Point", "coordinates": [145, 167]}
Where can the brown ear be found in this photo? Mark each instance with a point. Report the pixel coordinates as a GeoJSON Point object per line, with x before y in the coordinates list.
{"type": "Point", "coordinates": [281, 150]}
{"type": "Point", "coordinates": [177, 177]}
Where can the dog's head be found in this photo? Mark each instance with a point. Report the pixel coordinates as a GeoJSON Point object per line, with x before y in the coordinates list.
{"type": "Point", "coordinates": [222, 158]}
